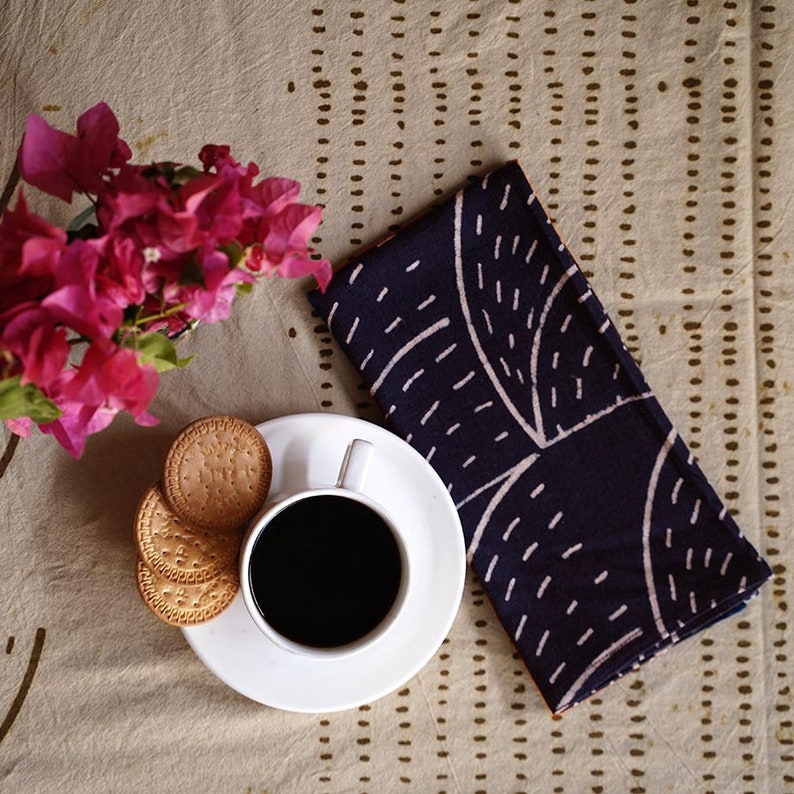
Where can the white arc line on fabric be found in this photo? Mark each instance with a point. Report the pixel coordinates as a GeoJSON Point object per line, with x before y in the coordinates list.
{"type": "Point", "coordinates": [667, 445]}
{"type": "Point", "coordinates": [407, 348]}
{"type": "Point", "coordinates": [596, 663]}
{"type": "Point", "coordinates": [464, 305]}
{"type": "Point", "coordinates": [512, 477]}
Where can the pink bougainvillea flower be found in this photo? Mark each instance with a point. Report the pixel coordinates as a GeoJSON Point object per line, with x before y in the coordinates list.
{"type": "Point", "coordinates": [21, 426]}
{"type": "Point", "coordinates": [61, 164]}
{"type": "Point", "coordinates": [120, 276]}
{"type": "Point", "coordinates": [41, 347]}
{"type": "Point", "coordinates": [169, 245]}
{"type": "Point", "coordinates": [28, 244]}
{"type": "Point", "coordinates": [273, 194]}
{"type": "Point", "coordinates": [77, 300]}
{"type": "Point", "coordinates": [108, 380]}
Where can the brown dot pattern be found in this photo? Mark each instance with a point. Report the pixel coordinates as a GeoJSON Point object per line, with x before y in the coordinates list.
{"type": "Point", "coordinates": [644, 164]}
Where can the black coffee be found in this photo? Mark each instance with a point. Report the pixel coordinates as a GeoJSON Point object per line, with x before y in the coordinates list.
{"type": "Point", "coordinates": [325, 571]}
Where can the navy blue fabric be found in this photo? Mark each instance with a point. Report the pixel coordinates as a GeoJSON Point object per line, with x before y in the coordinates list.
{"type": "Point", "coordinates": [596, 536]}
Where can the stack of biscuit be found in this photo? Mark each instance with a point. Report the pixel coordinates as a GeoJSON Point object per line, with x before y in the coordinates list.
{"type": "Point", "coordinates": [188, 526]}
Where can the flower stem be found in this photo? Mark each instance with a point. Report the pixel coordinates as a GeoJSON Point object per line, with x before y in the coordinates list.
{"type": "Point", "coordinates": [10, 186]}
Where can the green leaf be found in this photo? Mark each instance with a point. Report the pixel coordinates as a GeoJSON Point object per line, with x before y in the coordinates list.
{"type": "Point", "coordinates": [17, 400]}
{"type": "Point", "coordinates": [156, 348]}
{"type": "Point", "coordinates": [185, 174]}
{"type": "Point", "coordinates": [234, 253]}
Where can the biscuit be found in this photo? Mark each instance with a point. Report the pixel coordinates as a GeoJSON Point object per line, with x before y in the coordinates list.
{"type": "Point", "coordinates": [176, 550]}
{"type": "Point", "coordinates": [185, 604]}
{"type": "Point", "coordinates": [217, 473]}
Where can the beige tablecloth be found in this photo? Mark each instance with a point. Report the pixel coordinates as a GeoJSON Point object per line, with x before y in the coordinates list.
{"type": "Point", "coordinates": [661, 136]}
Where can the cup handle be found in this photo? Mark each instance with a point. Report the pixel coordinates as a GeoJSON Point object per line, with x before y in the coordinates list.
{"type": "Point", "coordinates": [355, 464]}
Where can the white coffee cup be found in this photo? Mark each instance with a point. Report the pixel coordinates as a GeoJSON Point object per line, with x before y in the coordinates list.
{"type": "Point", "coordinates": [325, 572]}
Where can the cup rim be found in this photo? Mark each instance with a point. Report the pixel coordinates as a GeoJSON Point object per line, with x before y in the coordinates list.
{"type": "Point", "coordinates": [255, 529]}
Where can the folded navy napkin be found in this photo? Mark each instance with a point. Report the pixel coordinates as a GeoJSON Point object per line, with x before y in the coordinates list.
{"type": "Point", "coordinates": [595, 534]}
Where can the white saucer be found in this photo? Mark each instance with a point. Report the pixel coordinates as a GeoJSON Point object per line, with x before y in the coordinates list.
{"type": "Point", "coordinates": [307, 450]}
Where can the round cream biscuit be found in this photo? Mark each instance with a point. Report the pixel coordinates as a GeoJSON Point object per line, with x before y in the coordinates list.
{"type": "Point", "coordinates": [217, 473]}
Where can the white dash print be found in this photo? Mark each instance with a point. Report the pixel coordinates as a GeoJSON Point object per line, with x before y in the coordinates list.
{"type": "Point", "coordinates": [689, 553]}
{"type": "Point", "coordinates": [543, 585]}
{"type": "Point", "coordinates": [693, 604]}
{"type": "Point", "coordinates": [542, 643]}
{"type": "Point", "coordinates": [586, 357]}
{"type": "Point", "coordinates": [444, 353]}
{"type": "Point", "coordinates": [516, 295]}
{"type": "Point", "coordinates": [469, 461]}
{"type": "Point", "coordinates": [544, 274]}
{"type": "Point", "coordinates": [578, 388]}
{"type": "Point", "coordinates": [584, 638]}
{"type": "Point", "coordinates": [676, 488]}
{"type": "Point", "coordinates": [555, 359]}
{"type": "Point", "coordinates": [482, 406]}
{"type": "Point", "coordinates": [530, 199]}
{"type": "Point", "coordinates": [497, 246]}
{"type": "Point", "coordinates": [582, 298]}
{"type": "Point", "coordinates": [418, 374]}
{"type": "Point", "coordinates": [430, 412]}
{"type": "Point", "coordinates": [464, 380]}
{"type": "Point", "coordinates": [505, 196]}
{"type": "Point", "coordinates": [571, 550]}
{"type": "Point", "coordinates": [352, 330]}
{"type": "Point", "coordinates": [498, 291]}
{"type": "Point", "coordinates": [430, 454]}
{"type": "Point", "coordinates": [531, 251]}
{"type": "Point", "coordinates": [332, 313]}
{"type": "Point", "coordinates": [511, 341]}
{"type": "Point", "coordinates": [556, 674]}
{"type": "Point", "coordinates": [491, 566]}
{"type": "Point", "coordinates": [479, 275]}
{"type": "Point", "coordinates": [601, 577]}
{"type": "Point", "coordinates": [516, 241]}
{"type": "Point", "coordinates": [413, 266]}
{"type": "Point", "coordinates": [668, 538]}
{"type": "Point", "coordinates": [618, 612]}
{"type": "Point", "coordinates": [487, 319]}
{"type": "Point", "coordinates": [536, 491]}
{"type": "Point", "coordinates": [479, 225]}
{"type": "Point", "coordinates": [453, 428]}
{"type": "Point", "coordinates": [393, 324]}
{"type": "Point", "coordinates": [354, 274]}
{"type": "Point", "coordinates": [382, 294]}
{"type": "Point", "coordinates": [603, 327]}
{"type": "Point", "coordinates": [510, 527]}
{"type": "Point", "coordinates": [707, 558]}
{"type": "Point", "coordinates": [553, 396]}
{"type": "Point", "coordinates": [505, 367]}
{"type": "Point", "coordinates": [528, 552]}
{"type": "Point", "coordinates": [520, 628]}
{"type": "Point", "coordinates": [671, 587]}
{"type": "Point", "coordinates": [571, 607]}
{"type": "Point", "coordinates": [725, 563]}
{"type": "Point", "coordinates": [367, 358]}
{"type": "Point", "coordinates": [556, 520]}
{"type": "Point", "coordinates": [510, 586]}
{"type": "Point", "coordinates": [565, 323]}
{"type": "Point", "coordinates": [616, 372]}
{"type": "Point", "coordinates": [502, 436]}
{"type": "Point", "coordinates": [695, 511]}
{"type": "Point", "coordinates": [425, 303]}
